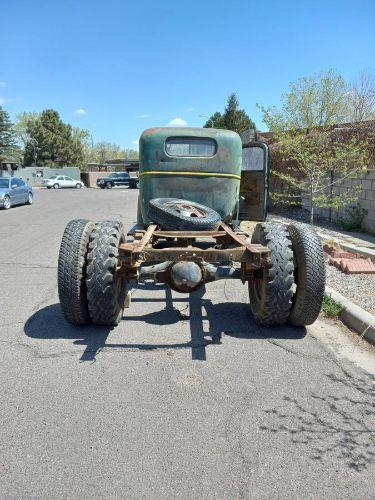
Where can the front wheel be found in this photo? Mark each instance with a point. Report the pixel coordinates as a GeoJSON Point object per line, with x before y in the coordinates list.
{"type": "Point", "coordinates": [108, 185]}
{"type": "Point", "coordinates": [271, 289]}
{"type": "Point", "coordinates": [106, 289]}
{"type": "Point", "coordinates": [30, 199]}
{"type": "Point", "coordinates": [309, 274]}
{"type": "Point", "coordinates": [56, 186]}
{"type": "Point", "coordinates": [78, 185]}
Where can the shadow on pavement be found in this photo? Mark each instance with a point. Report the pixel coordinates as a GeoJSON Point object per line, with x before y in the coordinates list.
{"type": "Point", "coordinates": [230, 318]}
{"type": "Point", "coordinates": [338, 425]}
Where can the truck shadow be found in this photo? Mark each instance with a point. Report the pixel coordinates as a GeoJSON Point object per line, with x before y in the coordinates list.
{"type": "Point", "coordinates": [229, 318]}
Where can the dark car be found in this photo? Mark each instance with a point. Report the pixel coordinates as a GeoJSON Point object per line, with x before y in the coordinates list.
{"type": "Point", "coordinates": [14, 191]}
{"type": "Point", "coordinates": [118, 179]}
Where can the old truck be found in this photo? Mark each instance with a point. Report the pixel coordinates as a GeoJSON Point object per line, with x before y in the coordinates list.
{"type": "Point", "coordinates": [195, 186]}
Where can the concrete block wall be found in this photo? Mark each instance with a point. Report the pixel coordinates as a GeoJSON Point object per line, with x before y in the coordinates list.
{"type": "Point", "coordinates": [366, 200]}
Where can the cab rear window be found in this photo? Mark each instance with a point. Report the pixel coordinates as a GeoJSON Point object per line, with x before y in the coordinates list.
{"type": "Point", "coordinates": [190, 146]}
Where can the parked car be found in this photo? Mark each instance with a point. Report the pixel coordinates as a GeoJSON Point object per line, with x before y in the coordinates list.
{"type": "Point", "coordinates": [62, 181]}
{"type": "Point", "coordinates": [14, 191]}
{"type": "Point", "coordinates": [118, 179]}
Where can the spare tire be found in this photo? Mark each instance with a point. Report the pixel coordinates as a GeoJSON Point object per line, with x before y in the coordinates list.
{"type": "Point", "coordinates": [182, 215]}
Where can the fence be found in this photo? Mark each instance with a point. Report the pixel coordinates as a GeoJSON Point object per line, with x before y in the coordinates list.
{"type": "Point", "coordinates": [35, 175]}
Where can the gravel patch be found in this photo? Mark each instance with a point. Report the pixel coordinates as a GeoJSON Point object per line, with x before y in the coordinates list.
{"type": "Point", "coordinates": [360, 288]}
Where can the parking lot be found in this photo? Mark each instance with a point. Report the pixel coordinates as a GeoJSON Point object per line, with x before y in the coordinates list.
{"type": "Point", "coordinates": [186, 398]}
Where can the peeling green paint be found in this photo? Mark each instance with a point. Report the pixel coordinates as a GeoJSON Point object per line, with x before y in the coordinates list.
{"type": "Point", "coordinates": [217, 181]}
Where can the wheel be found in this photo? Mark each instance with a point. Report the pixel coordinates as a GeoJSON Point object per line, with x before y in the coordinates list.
{"type": "Point", "coordinates": [6, 202]}
{"type": "Point", "coordinates": [48, 187]}
{"type": "Point", "coordinates": [137, 185]}
{"type": "Point", "coordinates": [56, 186]}
{"type": "Point", "coordinates": [71, 275]}
{"type": "Point", "coordinates": [30, 199]}
{"type": "Point", "coordinates": [309, 274]}
{"type": "Point", "coordinates": [106, 289]}
{"type": "Point", "coordinates": [173, 213]}
{"type": "Point", "coordinates": [78, 185]}
{"type": "Point", "coordinates": [271, 290]}
{"type": "Point", "coordinates": [108, 185]}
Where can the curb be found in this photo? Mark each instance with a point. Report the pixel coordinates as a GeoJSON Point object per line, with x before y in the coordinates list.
{"type": "Point", "coordinates": [354, 316]}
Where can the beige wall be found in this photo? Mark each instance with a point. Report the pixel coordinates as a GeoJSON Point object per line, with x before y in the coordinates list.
{"type": "Point", "coordinates": [366, 200]}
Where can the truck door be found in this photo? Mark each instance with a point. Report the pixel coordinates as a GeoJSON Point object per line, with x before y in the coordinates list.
{"type": "Point", "coordinates": [254, 181]}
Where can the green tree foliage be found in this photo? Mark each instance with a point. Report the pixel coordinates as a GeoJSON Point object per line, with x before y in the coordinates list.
{"type": "Point", "coordinates": [233, 118]}
{"type": "Point", "coordinates": [316, 162]}
{"type": "Point", "coordinates": [361, 98]}
{"type": "Point", "coordinates": [22, 125]}
{"type": "Point", "coordinates": [319, 100]}
{"type": "Point", "coordinates": [8, 146]}
{"type": "Point", "coordinates": [51, 141]}
{"type": "Point", "coordinates": [101, 152]}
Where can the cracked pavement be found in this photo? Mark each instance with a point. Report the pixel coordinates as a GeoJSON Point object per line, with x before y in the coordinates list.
{"type": "Point", "coordinates": [186, 398]}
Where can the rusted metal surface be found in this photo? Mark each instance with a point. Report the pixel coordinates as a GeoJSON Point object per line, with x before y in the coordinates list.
{"type": "Point", "coordinates": [241, 239]}
{"type": "Point", "coordinates": [189, 234]}
{"type": "Point", "coordinates": [231, 246]}
{"type": "Point", "coordinates": [195, 253]}
{"type": "Point", "coordinates": [138, 247]}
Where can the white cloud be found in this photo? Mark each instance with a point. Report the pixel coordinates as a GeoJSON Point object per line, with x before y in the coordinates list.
{"type": "Point", "coordinates": [177, 122]}
{"type": "Point", "coordinates": [2, 101]}
{"type": "Point", "coordinates": [136, 142]}
{"type": "Point", "coordinates": [80, 111]}
{"type": "Point", "coordinates": [143, 116]}
{"type": "Point", "coordinates": [2, 84]}
{"type": "Point", "coordinates": [190, 109]}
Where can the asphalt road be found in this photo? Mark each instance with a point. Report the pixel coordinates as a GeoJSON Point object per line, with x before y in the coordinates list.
{"type": "Point", "coordinates": [186, 398]}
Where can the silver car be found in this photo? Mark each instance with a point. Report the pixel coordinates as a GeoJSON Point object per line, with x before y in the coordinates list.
{"type": "Point", "coordinates": [14, 191]}
{"type": "Point", "coordinates": [62, 181]}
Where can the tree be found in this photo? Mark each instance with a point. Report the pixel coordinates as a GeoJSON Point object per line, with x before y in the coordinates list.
{"type": "Point", "coordinates": [315, 164]}
{"type": "Point", "coordinates": [313, 101]}
{"type": "Point", "coordinates": [51, 141]}
{"type": "Point", "coordinates": [233, 118]}
{"type": "Point", "coordinates": [8, 145]}
{"type": "Point", "coordinates": [22, 126]}
{"type": "Point", "coordinates": [361, 98]}
{"type": "Point", "coordinates": [103, 151]}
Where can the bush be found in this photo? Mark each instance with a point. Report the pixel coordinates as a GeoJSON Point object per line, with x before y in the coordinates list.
{"type": "Point", "coordinates": [330, 307]}
{"type": "Point", "coordinates": [353, 218]}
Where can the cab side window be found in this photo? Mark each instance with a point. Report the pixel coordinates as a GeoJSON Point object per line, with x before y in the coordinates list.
{"type": "Point", "coordinates": [253, 159]}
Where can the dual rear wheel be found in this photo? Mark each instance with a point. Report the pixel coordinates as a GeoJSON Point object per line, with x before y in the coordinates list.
{"type": "Point", "coordinates": [90, 289]}
{"type": "Point", "coordinates": [292, 288]}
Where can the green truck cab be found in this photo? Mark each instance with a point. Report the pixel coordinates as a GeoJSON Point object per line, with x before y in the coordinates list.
{"type": "Point", "coordinates": [195, 187]}
{"type": "Point", "coordinates": [207, 166]}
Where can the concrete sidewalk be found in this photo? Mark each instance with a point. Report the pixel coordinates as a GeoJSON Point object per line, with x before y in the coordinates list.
{"type": "Point", "coordinates": [354, 242]}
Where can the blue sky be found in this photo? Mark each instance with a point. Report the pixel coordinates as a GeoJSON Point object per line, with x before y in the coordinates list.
{"type": "Point", "coordinates": [118, 67]}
